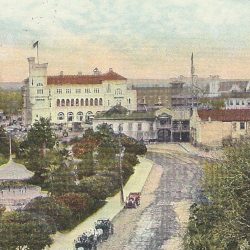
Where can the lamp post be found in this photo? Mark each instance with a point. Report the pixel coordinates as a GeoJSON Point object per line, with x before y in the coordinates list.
{"type": "Point", "coordinates": [121, 152]}
{"type": "Point", "coordinates": [180, 127]}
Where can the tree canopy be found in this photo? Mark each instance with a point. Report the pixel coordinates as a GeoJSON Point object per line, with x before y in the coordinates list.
{"type": "Point", "coordinates": [23, 230]}
{"type": "Point", "coordinates": [224, 221]}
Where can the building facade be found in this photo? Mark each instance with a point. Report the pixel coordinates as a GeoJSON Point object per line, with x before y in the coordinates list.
{"type": "Point", "coordinates": [72, 99]}
{"type": "Point", "coordinates": [211, 127]}
{"type": "Point", "coordinates": [163, 125]}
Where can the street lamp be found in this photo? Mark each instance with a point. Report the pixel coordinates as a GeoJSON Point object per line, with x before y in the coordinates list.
{"type": "Point", "coordinates": [180, 127]}
{"type": "Point", "coordinates": [121, 153]}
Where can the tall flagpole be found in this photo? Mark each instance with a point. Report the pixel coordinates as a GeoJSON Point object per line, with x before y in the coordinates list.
{"type": "Point", "coordinates": [192, 79]}
{"type": "Point", "coordinates": [37, 53]}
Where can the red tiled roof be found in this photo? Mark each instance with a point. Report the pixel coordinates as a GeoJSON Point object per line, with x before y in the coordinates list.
{"type": "Point", "coordinates": [84, 79]}
{"type": "Point", "coordinates": [227, 115]}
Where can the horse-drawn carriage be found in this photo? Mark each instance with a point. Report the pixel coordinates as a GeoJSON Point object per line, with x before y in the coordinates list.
{"type": "Point", "coordinates": [89, 240]}
{"type": "Point", "coordinates": [133, 200]}
{"type": "Point", "coordinates": [107, 227]}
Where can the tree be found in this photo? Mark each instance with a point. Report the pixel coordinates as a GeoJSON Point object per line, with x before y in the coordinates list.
{"type": "Point", "coordinates": [79, 204]}
{"type": "Point", "coordinates": [99, 187]}
{"type": "Point", "coordinates": [10, 101]}
{"type": "Point", "coordinates": [86, 166]}
{"type": "Point", "coordinates": [16, 229]}
{"type": "Point", "coordinates": [41, 136]}
{"type": "Point", "coordinates": [223, 223]}
{"type": "Point", "coordinates": [56, 214]}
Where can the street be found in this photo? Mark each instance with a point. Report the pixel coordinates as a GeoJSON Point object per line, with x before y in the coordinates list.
{"type": "Point", "coordinates": [159, 223]}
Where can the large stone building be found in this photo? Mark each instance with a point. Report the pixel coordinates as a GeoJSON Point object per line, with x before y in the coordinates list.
{"type": "Point", "coordinates": [72, 99]}
{"type": "Point", "coordinates": [156, 93]}
{"type": "Point", "coordinates": [163, 125]}
{"type": "Point", "coordinates": [211, 127]}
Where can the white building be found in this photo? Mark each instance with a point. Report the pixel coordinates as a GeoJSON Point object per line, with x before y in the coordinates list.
{"type": "Point", "coordinates": [163, 125]}
{"type": "Point", "coordinates": [72, 99]}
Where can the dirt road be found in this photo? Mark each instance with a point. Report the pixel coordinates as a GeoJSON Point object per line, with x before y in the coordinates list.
{"type": "Point", "coordinates": [160, 221]}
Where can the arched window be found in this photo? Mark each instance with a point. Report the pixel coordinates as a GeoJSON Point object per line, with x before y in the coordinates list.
{"type": "Point", "coordinates": [63, 102]}
{"type": "Point", "coordinates": [58, 102]}
{"type": "Point", "coordinates": [70, 116]}
{"type": "Point", "coordinates": [72, 102]}
{"type": "Point", "coordinates": [79, 116]}
{"type": "Point", "coordinates": [60, 116]}
{"type": "Point", "coordinates": [100, 102]}
{"type": "Point", "coordinates": [91, 102]}
{"type": "Point", "coordinates": [118, 92]}
{"type": "Point", "coordinates": [82, 102]}
{"type": "Point", "coordinates": [129, 100]}
{"type": "Point", "coordinates": [87, 102]}
{"type": "Point", "coordinates": [77, 102]}
{"type": "Point", "coordinates": [67, 102]}
{"type": "Point", "coordinates": [89, 117]}
{"type": "Point", "coordinates": [96, 102]}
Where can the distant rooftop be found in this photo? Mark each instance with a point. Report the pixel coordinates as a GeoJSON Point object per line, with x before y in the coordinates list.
{"type": "Point", "coordinates": [84, 79]}
{"type": "Point", "coordinates": [13, 171]}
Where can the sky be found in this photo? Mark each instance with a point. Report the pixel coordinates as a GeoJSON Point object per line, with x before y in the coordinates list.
{"type": "Point", "coordinates": [137, 38]}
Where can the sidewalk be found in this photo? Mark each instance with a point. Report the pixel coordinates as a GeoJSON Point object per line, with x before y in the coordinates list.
{"type": "Point", "coordinates": [64, 241]}
{"type": "Point", "coordinates": [185, 148]}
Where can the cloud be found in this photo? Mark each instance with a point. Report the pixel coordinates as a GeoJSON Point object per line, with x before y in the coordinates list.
{"type": "Point", "coordinates": [129, 34]}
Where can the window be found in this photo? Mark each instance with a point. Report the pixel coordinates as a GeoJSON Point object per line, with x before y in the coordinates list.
{"type": "Point", "coordinates": [87, 102]}
{"type": "Point", "coordinates": [237, 102]}
{"type": "Point", "coordinates": [82, 102]}
{"type": "Point", "coordinates": [79, 116]}
{"type": "Point", "coordinates": [40, 91]}
{"type": "Point", "coordinates": [87, 91]}
{"type": "Point", "coordinates": [242, 102]}
{"type": "Point", "coordinates": [108, 102]}
{"type": "Point", "coordinates": [108, 89]}
{"type": "Point", "coordinates": [39, 84]}
{"type": "Point", "coordinates": [130, 126]}
{"type": "Point", "coordinates": [129, 100]}
{"type": "Point", "coordinates": [91, 102]}
{"type": "Point", "coordinates": [242, 125]}
{"type": "Point", "coordinates": [100, 102]}
{"type": "Point", "coordinates": [72, 102]}
{"type": "Point", "coordinates": [59, 91]}
{"type": "Point", "coordinates": [58, 102]}
{"type": "Point", "coordinates": [67, 102]}
{"type": "Point", "coordinates": [77, 102]}
{"type": "Point", "coordinates": [231, 102]}
{"type": "Point", "coordinates": [118, 92]}
{"type": "Point", "coordinates": [78, 91]}
{"type": "Point", "coordinates": [70, 116]}
{"type": "Point", "coordinates": [139, 127]}
{"type": "Point", "coordinates": [151, 126]}
{"type": "Point", "coordinates": [60, 116]}
{"type": "Point", "coordinates": [68, 91]}
{"type": "Point", "coordinates": [96, 90]}
{"type": "Point", "coordinates": [96, 102]}
{"type": "Point", "coordinates": [63, 102]}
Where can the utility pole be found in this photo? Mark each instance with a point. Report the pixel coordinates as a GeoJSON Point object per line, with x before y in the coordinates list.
{"type": "Point", "coordinates": [192, 79]}
{"type": "Point", "coordinates": [120, 165]}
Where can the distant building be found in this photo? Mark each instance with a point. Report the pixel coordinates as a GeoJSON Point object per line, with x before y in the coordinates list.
{"type": "Point", "coordinates": [211, 127]}
{"type": "Point", "coordinates": [72, 100]}
{"type": "Point", "coordinates": [163, 125]}
{"type": "Point", "coordinates": [154, 94]}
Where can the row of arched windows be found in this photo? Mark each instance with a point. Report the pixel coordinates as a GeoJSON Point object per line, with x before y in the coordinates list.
{"type": "Point", "coordinates": [70, 116]}
{"type": "Point", "coordinates": [79, 102]}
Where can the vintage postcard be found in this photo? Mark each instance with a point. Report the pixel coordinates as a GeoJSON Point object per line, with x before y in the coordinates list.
{"type": "Point", "coordinates": [125, 124]}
